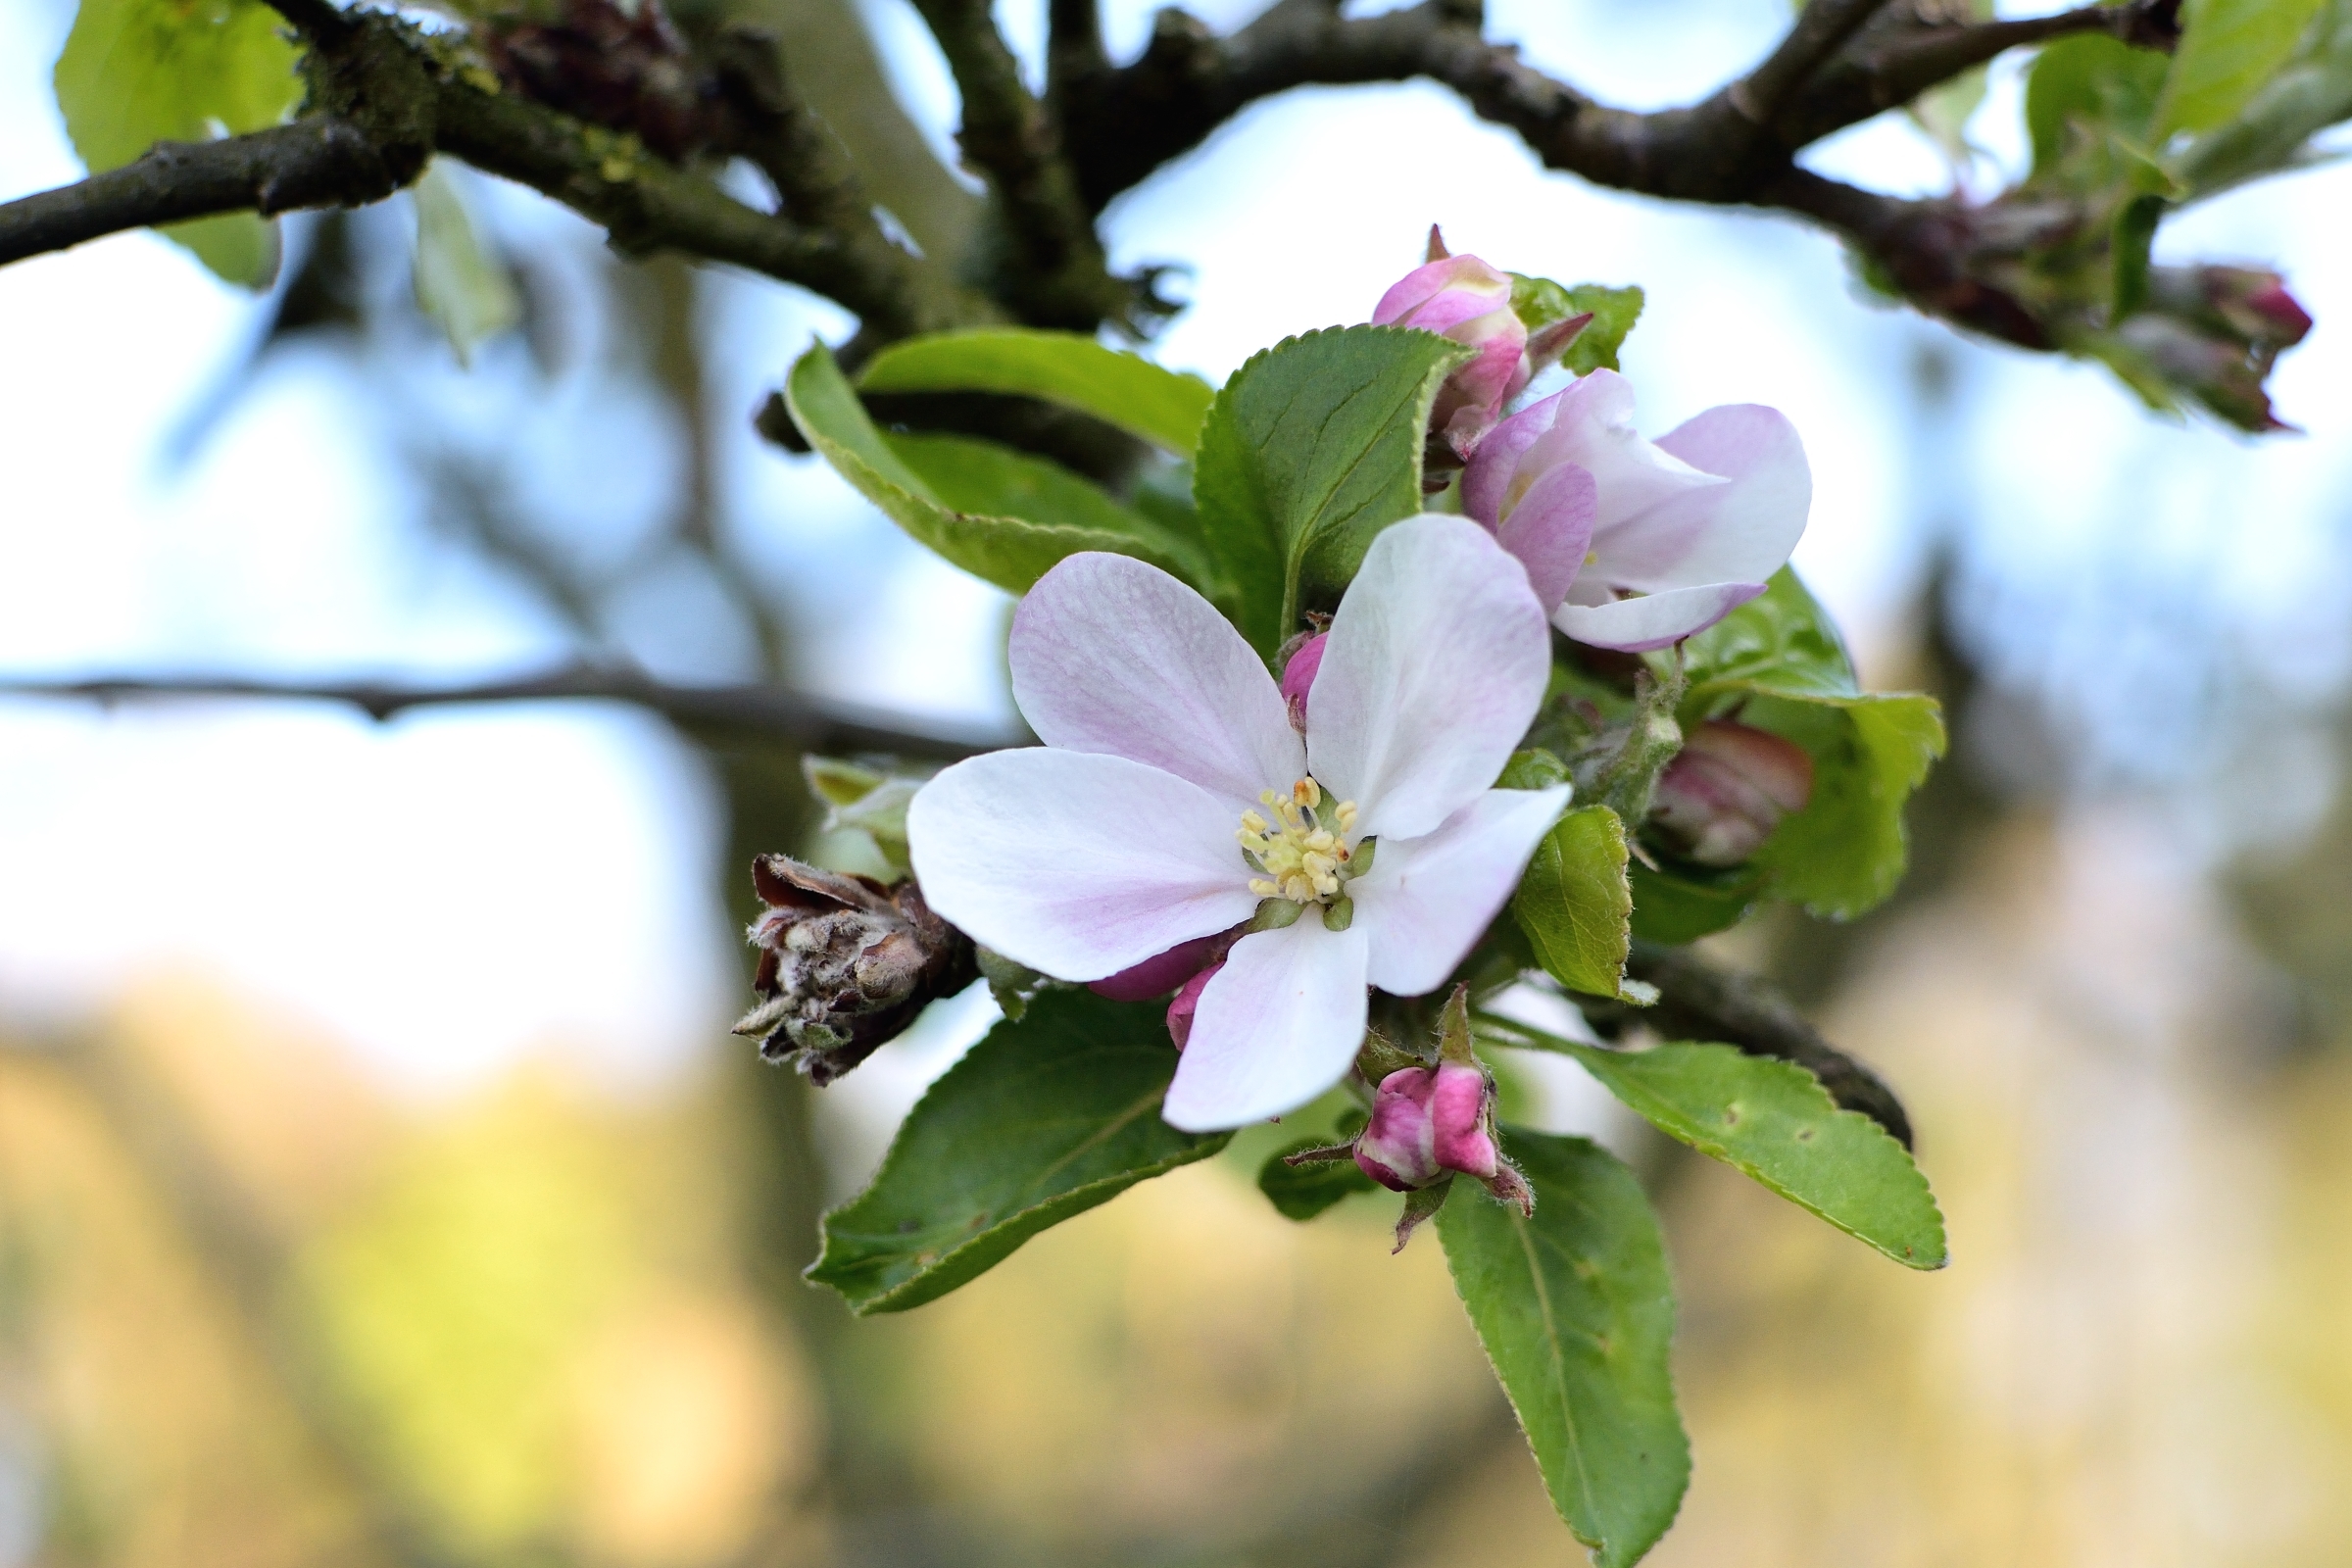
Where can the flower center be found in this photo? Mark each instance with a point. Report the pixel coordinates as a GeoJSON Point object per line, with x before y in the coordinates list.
{"type": "Point", "coordinates": [1304, 850]}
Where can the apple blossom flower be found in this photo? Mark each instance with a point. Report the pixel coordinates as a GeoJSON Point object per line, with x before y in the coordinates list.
{"type": "Point", "coordinates": [1173, 800]}
{"type": "Point", "coordinates": [1727, 789]}
{"type": "Point", "coordinates": [1630, 544]}
{"type": "Point", "coordinates": [1462, 298]}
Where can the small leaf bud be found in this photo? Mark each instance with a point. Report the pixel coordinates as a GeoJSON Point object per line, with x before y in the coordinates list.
{"type": "Point", "coordinates": [1726, 790]}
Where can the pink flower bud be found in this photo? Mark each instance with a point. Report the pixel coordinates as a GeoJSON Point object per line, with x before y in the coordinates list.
{"type": "Point", "coordinates": [1188, 1003]}
{"type": "Point", "coordinates": [1727, 790]}
{"type": "Point", "coordinates": [1162, 973]}
{"type": "Point", "coordinates": [1462, 298]}
{"type": "Point", "coordinates": [1300, 674]}
{"type": "Point", "coordinates": [1428, 1121]}
{"type": "Point", "coordinates": [2256, 304]}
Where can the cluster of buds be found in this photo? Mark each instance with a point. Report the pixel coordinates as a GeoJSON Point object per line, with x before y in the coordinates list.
{"type": "Point", "coordinates": [1429, 1123]}
{"type": "Point", "coordinates": [1726, 790]}
{"type": "Point", "coordinates": [2214, 332]}
{"type": "Point", "coordinates": [1465, 300]}
{"type": "Point", "coordinates": [845, 963]}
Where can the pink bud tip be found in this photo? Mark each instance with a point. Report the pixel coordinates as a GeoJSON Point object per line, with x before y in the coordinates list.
{"type": "Point", "coordinates": [1299, 677]}
{"type": "Point", "coordinates": [2281, 310]}
{"type": "Point", "coordinates": [1728, 789]}
{"type": "Point", "coordinates": [1188, 1003]}
{"type": "Point", "coordinates": [1428, 1121]}
{"type": "Point", "coordinates": [1158, 974]}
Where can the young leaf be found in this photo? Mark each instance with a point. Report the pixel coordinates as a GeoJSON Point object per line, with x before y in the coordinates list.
{"type": "Point", "coordinates": [1577, 1313]}
{"type": "Point", "coordinates": [1303, 1192]}
{"type": "Point", "coordinates": [1782, 639]}
{"type": "Point", "coordinates": [460, 285]}
{"type": "Point", "coordinates": [1312, 448]}
{"type": "Point", "coordinates": [982, 477]}
{"type": "Point", "coordinates": [1538, 302]}
{"type": "Point", "coordinates": [1573, 902]}
{"type": "Point", "coordinates": [138, 71]}
{"type": "Point", "coordinates": [1044, 1118]}
{"type": "Point", "coordinates": [1008, 551]}
{"type": "Point", "coordinates": [2090, 101]}
{"type": "Point", "coordinates": [1774, 1121]}
{"type": "Point", "coordinates": [1162, 406]}
{"type": "Point", "coordinates": [2227, 50]}
{"type": "Point", "coordinates": [1678, 902]}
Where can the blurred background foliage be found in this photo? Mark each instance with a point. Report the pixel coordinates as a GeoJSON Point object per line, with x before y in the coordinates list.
{"type": "Point", "coordinates": [257, 1305]}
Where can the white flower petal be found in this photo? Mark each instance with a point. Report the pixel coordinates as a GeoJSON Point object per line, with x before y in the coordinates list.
{"type": "Point", "coordinates": [1591, 424]}
{"type": "Point", "coordinates": [1652, 620]}
{"type": "Point", "coordinates": [1741, 531]}
{"type": "Point", "coordinates": [1437, 663]}
{"type": "Point", "coordinates": [1112, 654]}
{"type": "Point", "coordinates": [1551, 529]}
{"type": "Point", "coordinates": [1427, 901]}
{"type": "Point", "coordinates": [1276, 1026]}
{"type": "Point", "coordinates": [1076, 864]}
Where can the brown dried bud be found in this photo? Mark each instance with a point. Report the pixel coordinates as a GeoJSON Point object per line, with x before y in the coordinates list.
{"type": "Point", "coordinates": [845, 964]}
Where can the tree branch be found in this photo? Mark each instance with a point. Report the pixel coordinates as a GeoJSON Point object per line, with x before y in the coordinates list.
{"type": "Point", "coordinates": [768, 712]}
{"type": "Point", "coordinates": [1821, 30]}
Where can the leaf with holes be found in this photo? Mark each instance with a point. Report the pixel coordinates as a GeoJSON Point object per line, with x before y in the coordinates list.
{"type": "Point", "coordinates": [1044, 1118]}
{"type": "Point", "coordinates": [1576, 1311]}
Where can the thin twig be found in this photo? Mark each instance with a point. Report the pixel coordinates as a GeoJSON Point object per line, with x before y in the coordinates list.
{"type": "Point", "coordinates": [769, 712]}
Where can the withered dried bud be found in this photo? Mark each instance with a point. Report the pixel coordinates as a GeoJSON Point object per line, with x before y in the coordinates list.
{"type": "Point", "coordinates": [845, 964]}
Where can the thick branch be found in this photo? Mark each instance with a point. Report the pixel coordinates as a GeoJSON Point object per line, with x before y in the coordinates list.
{"type": "Point", "coordinates": [1821, 30]}
{"type": "Point", "coordinates": [1698, 1001]}
{"type": "Point", "coordinates": [769, 712]}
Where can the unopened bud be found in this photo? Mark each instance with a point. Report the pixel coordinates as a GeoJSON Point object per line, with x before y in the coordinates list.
{"type": "Point", "coordinates": [1727, 789]}
{"type": "Point", "coordinates": [1428, 1121]}
{"type": "Point", "coordinates": [1299, 676]}
{"type": "Point", "coordinates": [2256, 304]}
{"type": "Point", "coordinates": [845, 964]}
{"type": "Point", "coordinates": [1462, 298]}
{"type": "Point", "coordinates": [1187, 1002]}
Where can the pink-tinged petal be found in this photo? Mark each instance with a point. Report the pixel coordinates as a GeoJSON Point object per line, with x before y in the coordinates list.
{"type": "Point", "coordinates": [1437, 663]}
{"type": "Point", "coordinates": [1654, 620]}
{"type": "Point", "coordinates": [1299, 676]}
{"type": "Point", "coordinates": [1461, 286]}
{"type": "Point", "coordinates": [1076, 864]}
{"type": "Point", "coordinates": [1427, 901]}
{"type": "Point", "coordinates": [1486, 481]}
{"type": "Point", "coordinates": [1187, 1001]}
{"type": "Point", "coordinates": [1592, 425]}
{"type": "Point", "coordinates": [1278, 1025]}
{"type": "Point", "coordinates": [1457, 1106]}
{"type": "Point", "coordinates": [1110, 654]}
{"type": "Point", "coordinates": [1551, 529]}
{"type": "Point", "coordinates": [1158, 974]}
{"type": "Point", "coordinates": [1741, 532]}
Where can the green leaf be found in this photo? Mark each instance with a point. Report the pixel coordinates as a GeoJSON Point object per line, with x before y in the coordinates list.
{"type": "Point", "coordinates": [1008, 551]}
{"type": "Point", "coordinates": [2227, 50]}
{"type": "Point", "coordinates": [1678, 902]}
{"type": "Point", "coordinates": [2133, 232]}
{"type": "Point", "coordinates": [2090, 102]}
{"type": "Point", "coordinates": [984, 478]}
{"type": "Point", "coordinates": [2312, 92]}
{"type": "Point", "coordinates": [1577, 1313]}
{"type": "Point", "coordinates": [1573, 902]}
{"type": "Point", "coordinates": [1312, 448]}
{"type": "Point", "coordinates": [460, 285]}
{"type": "Point", "coordinates": [1303, 1192]}
{"type": "Point", "coordinates": [1774, 1121]}
{"type": "Point", "coordinates": [1161, 406]}
{"type": "Point", "coordinates": [864, 800]}
{"type": "Point", "coordinates": [1782, 639]}
{"type": "Point", "coordinates": [138, 71]}
{"type": "Point", "coordinates": [1043, 1119]}
{"type": "Point", "coordinates": [1538, 302]}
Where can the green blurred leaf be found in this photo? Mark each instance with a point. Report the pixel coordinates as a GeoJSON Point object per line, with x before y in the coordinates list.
{"type": "Point", "coordinates": [460, 285]}
{"type": "Point", "coordinates": [2083, 96]}
{"type": "Point", "coordinates": [1774, 1121]}
{"type": "Point", "coordinates": [1044, 1118]}
{"type": "Point", "coordinates": [985, 478]}
{"type": "Point", "coordinates": [1312, 448]}
{"type": "Point", "coordinates": [1303, 1192]}
{"type": "Point", "coordinates": [135, 72]}
{"type": "Point", "coordinates": [1573, 902]}
{"type": "Point", "coordinates": [2311, 93]}
{"type": "Point", "coordinates": [1781, 640]}
{"type": "Point", "coordinates": [1577, 1313]}
{"type": "Point", "coordinates": [1678, 901]}
{"type": "Point", "coordinates": [1008, 551]}
{"type": "Point", "coordinates": [2135, 232]}
{"type": "Point", "coordinates": [1538, 302]}
{"type": "Point", "coordinates": [864, 800]}
{"type": "Point", "coordinates": [2227, 50]}
{"type": "Point", "coordinates": [1162, 406]}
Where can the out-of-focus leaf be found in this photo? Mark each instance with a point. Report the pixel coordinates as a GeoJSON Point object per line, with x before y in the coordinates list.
{"type": "Point", "coordinates": [2227, 50]}
{"type": "Point", "coordinates": [1681, 903]}
{"type": "Point", "coordinates": [864, 800]}
{"type": "Point", "coordinates": [1576, 1311]}
{"type": "Point", "coordinates": [1781, 640]}
{"type": "Point", "coordinates": [1538, 302]}
{"type": "Point", "coordinates": [985, 478]}
{"type": "Point", "coordinates": [1573, 902]}
{"type": "Point", "coordinates": [1312, 448]}
{"type": "Point", "coordinates": [1303, 1192]}
{"type": "Point", "coordinates": [135, 72]}
{"type": "Point", "coordinates": [1010, 552]}
{"type": "Point", "coordinates": [1774, 1121]}
{"type": "Point", "coordinates": [2087, 99]}
{"type": "Point", "coordinates": [2135, 232]}
{"type": "Point", "coordinates": [2311, 93]}
{"type": "Point", "coordinates": [1943, 110]}
{"type": "Point", "coordinates": [460, 285]}
{"type": "Point", "coordinates": [1162, 406]}
{"type": "Point", "coordinates": [1044, 1118]}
